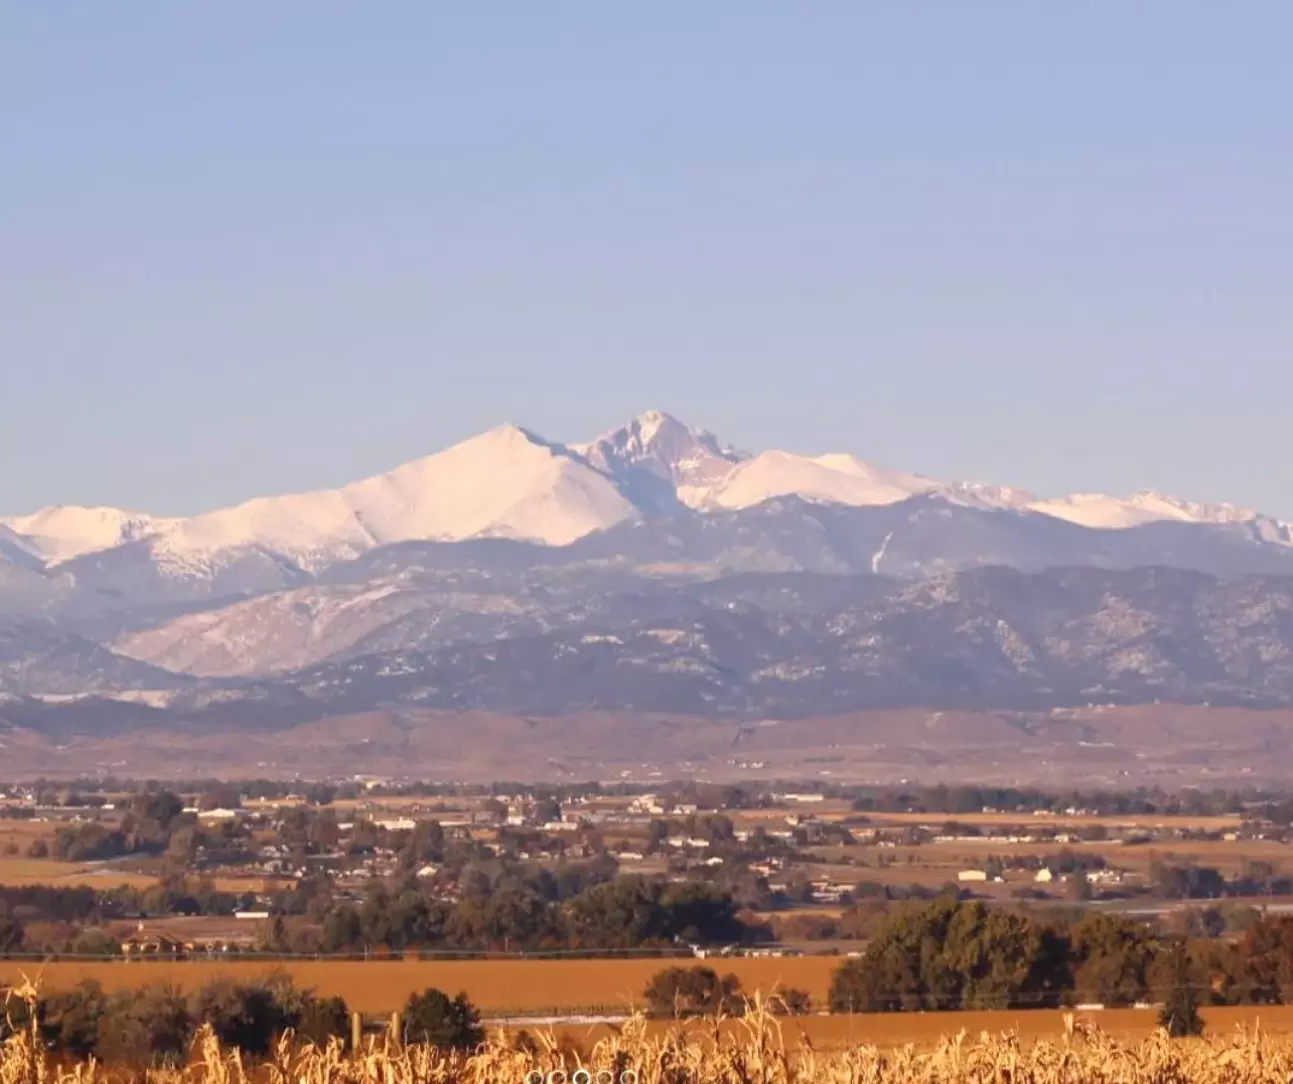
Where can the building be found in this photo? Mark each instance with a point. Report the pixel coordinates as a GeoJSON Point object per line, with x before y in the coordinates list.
{"type": "Point", "coordinates": [972, 875]}
{"type": "Point", "coordinates": [1044, 876]}
{"type": "Point", "coordinates": [141, 943]}
{"type": "Point", "coordinates": [399, 824]}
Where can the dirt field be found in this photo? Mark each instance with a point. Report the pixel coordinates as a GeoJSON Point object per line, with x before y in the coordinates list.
{"type": "Point", "coordinates": [498, 987]}
{"type": "Point", "coordinates": [43, 871]}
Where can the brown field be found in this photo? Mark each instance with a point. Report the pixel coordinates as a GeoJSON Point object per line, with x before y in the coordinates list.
{"type": "Point", "coordinates": [24, 833]}
{"type": "Point", "coordinates": [498, 987]}
{"type": "Point", "coordinates": [983, 820]}
{"type": "Point", "coordinates": [543, 987]}
{"type": "Point", "coordinates": [42, 871]}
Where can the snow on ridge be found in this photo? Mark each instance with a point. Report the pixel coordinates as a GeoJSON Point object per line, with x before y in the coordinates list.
{"type": "Point", "coordinates": [838, 479]}
{"type": "Point", "coordinates": [62, 532]}
{"type": "Point", "coordinates": [503, 483]}
{"type": "Point", "coordinates": [14, 547]}
{"type": "Point", "coordinates": [510, 483]}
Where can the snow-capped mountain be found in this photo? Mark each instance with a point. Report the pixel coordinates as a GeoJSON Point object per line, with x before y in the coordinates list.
{"type": "Point", "coordinates": [826, 479]}
{"type": "Point", "coordinates": [63, 532]}
{"type": "Point", "coordinates": [510, 483]}
{"type": "Point", "coordinates": [15, 549]}
{"type": "Point", "coordinates": [661, 464]}
{"type": "Point", "coordinates": [506, 483]}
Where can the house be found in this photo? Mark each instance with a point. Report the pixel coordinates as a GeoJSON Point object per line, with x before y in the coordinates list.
{"type": "Point", "coordinates": [141, 943]}
{"type": "Point", "coordinates": [1044, 876]}
{"type": "Point", "coordinates": [972, 875]}
{"type": "Point", "coordinates": [397, 824]}
{"type": "Point", "coordinates": [220, 814]}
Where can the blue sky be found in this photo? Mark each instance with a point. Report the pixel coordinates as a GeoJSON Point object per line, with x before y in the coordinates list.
{"type": "Point", "coordinates": [251, 248]}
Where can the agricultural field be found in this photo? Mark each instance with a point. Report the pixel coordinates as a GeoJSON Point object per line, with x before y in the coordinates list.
{"type": "Point", "coordinates": [739, 1052]}
{"type": "Point", "coordinates": [46, 871]}
{"type": "Point", "coordinates": [498, 987]}
{"type": "Point", "coordinates": [845, 1031]}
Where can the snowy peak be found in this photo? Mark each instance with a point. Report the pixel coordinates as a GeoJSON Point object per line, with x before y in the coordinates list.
{"type": "Point", "coordinates": [63, 532]}
{"type": "Point", "coordinates": [1112, 513]}
{"type": "Point", "coordinates": [505, 483]}
{"type": "Point", "coordinates": [987, 495]}
{"type": "Point", "coordinates": [511, 483]}
{"type": "Point", "coordinates": [655, 458]}
{"type": "Point", "coordinates": [831, 479]}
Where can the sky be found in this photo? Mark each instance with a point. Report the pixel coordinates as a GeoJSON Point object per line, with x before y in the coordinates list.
{"type": "Point", "coordinates": [257, 248]}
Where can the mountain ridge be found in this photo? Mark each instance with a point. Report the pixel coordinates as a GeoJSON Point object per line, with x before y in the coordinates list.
{"type": "Point", "coordinates": [509, 482]}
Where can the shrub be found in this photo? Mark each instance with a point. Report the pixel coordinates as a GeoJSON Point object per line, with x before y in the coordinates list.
{"type": "Point", "coordinates": [792, 1002]}
{"type": "Point", "coordinates": [678, 992]}
{"type": "Point", "coordinates": [433, 1017]}
{"type": "Point", "coordinates": [322, 1019]}
{"type": "Point", "coordinates": [241, 1015]}
{"type": "Point", "coordinates": [70, 1021]}
{"type": "Point", "coordinates": [150, 1026]}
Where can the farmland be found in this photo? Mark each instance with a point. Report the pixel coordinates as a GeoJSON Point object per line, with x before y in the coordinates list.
{"type": "Point", "coordinates": [43, 871]}
{"type": "Point", "coordinates": [845, 1031]}
{"type": "Point", "coordinates": [498, 987]}
{"type": "Point", "coordinates": [1071, 1051]}
{"type": "Point", "coordinates": [504, 988]}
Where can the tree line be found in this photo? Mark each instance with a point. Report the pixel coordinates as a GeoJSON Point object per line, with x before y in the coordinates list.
{"type": "Point", "coordinates": [156, 1025]}
{"type": "Point", "coordinates": [951, 954]}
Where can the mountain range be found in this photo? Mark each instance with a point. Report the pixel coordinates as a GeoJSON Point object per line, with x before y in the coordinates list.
{"type": "Point", "coordinates": [652, 569]}
{"type": "Point", "coordinates": [511, 483]}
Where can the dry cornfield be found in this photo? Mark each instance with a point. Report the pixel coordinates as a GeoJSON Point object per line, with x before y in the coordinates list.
{"type": "Point", "coordinates": [757, 1051]}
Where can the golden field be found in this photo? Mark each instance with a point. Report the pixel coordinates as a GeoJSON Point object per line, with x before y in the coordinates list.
{"type": "Point", "coordinates": [752, 1050]}
{"type": "Point", "coordinates": [554, 987]}
{"type": "Point", "coordinates": [498, 987]}
{"type": "Point", "coordinates": [842, 1031]}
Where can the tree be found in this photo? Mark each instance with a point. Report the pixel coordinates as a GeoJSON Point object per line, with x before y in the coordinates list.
{"type": "Point", "coordinates": [433, 1017]}
{"type": "Point", "coordinates": [11, 931]}
{"type": "Point", "coordinates": [679, 992]}
{"type": "Point", "coordinates": [1112, 956]}
{"type": "Point", "coordinates": [953, 955]}
{"type": "Point", "coordinates": [657, 834]}
{"type": "Point", "coordinates": [342, 929]}
{"type": "Point", "coordinates": [547, 810]}
{"type": "Point", "coordinates": [1180, 1011]}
